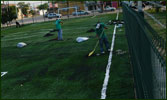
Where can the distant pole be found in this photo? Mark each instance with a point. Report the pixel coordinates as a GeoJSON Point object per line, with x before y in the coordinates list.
{"type": "Point", "coordinates": [93, 9]}
{"type": "Point", "coordinates": [140, 10]}
{"type": "Point", "coordinates": [8, 11]}
{"type": "Point", "coordinates": [22, 14]}
{"type": "Point", "coordinates": [43, 11]}
{"type": "Point", "coordinates": [53, 6]}
{"type": "Point", "coordinates": [67, 9]}
{"type": "Point", "coordinates": [139, 5]}
{"type": "Point", "coordinates": [34, 12]}
{"type": "Point", "coordinates": [16, 8]}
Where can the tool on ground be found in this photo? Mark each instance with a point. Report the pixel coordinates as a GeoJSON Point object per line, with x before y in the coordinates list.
{"type": "Point", "coordinates": [91, 53]}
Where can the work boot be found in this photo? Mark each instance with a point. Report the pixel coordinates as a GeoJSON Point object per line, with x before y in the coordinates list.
{"type": "Point", "coordinates": [103, 52]}
{"type": "Point", "coordinates": [97, 54]}
{"type": "Point", "coordinates": [108, 50]}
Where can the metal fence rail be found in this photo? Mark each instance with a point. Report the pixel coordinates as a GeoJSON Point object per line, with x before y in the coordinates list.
{"type": "Point", "coordinates": [145, 47]}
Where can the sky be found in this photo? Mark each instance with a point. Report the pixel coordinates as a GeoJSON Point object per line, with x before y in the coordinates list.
{"type": "Point", "coordinates": [35, 3]}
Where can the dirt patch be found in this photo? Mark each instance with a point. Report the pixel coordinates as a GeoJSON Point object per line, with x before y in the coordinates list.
{"type": "Point", "coordinates": [90, 30]}
{"type": "Point", "coordinates": [55, 39]}
{"type": "Point", "coordinates": [48, 34]}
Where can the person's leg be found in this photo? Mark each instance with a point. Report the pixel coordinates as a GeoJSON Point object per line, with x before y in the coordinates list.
{"type": "Point", "coordinates": [106, 43]}
{"type": "Point", "coordinates": [59, 32]}
{"type": "Point", "coordinates": [101, 45]}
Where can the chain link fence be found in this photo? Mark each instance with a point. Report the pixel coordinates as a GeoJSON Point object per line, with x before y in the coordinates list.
{"type": "Point", "coordinates": [148, 54]}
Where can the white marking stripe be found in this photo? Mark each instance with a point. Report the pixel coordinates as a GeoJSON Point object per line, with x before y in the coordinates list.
{"type": "Point", "coordinates": [93, 16]}
{"type": "Point", "coordinates": [157, 21]}
{"type": "Point", "coordinates": [105, 83]}
{"type": "Point", "coordinates": [3, 73]}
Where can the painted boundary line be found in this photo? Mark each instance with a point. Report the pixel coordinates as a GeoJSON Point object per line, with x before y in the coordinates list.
{"type": "Point", "coordinates": [93, 16]}
{"type": "Point", "coordinates": [157, 21]}
{"type": "Point", "coordinates": [3, 73]}
{"type": "Point", "coordinates": [159, 5]}
{"type": "Point", "coordinates": [105, 83]}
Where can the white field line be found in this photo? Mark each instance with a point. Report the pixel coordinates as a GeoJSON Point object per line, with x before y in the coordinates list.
{"type": "Point", "coordinates": [157, 21]}
{"type": "Point", "coordinates": [20, 38]}
{"type": "Point", "coordinates": [78, 28]}
{"type": "Point", "coordinates": [93, 16]}
{"type": "Point", "coordinates": [22, 35]}
{"type": "Point", "coordinates": [105, 83]}
{"type": "Point", "coordinates": [15, 34]}
{"type": "Point", "coordinates": [159, 5]}
{"type": "Point", "coordinates": [85, 27]}
{"type": "Point", "coordinates": [3, 73]}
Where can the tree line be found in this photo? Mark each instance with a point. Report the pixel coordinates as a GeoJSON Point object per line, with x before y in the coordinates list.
{"type": "Point", "coordinates": [9, 13]}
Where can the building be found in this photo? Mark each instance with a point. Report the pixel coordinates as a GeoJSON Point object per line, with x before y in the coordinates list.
{"type": "Point", "coordinates": [100, 5]}
{"type": "Point", "coordinates": [66, 7]}
{"type": "Point", "coordinates": [115, 4]}
{"type": "Point", "coordinates": [91, 5]}
{"type": "Point", "coordinates": [41, 12]}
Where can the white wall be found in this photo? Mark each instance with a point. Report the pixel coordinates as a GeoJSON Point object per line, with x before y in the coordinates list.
{"type": "Point", "coordinates": [41, 12]}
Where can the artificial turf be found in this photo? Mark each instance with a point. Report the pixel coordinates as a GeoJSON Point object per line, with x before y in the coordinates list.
{"type": "Point", "coordinates": [160, 16]}
{"type": "Point", "coordinates": [60, 69]}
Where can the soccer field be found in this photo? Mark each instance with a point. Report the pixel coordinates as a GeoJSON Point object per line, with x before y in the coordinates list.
{"type": "Point", "coordinates": [60, 69]}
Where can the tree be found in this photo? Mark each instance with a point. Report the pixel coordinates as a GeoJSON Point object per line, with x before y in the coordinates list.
{"type": "Point", "coordinates": [24, 7]}
{"type": "Point", "coordinates": [43, 6]}
{"type": "Point", "coordinates": [12, 13]}
{"type": "Point", "coordinates": [4, 17]}
{"type": "Point", "coordinates": [8, 14]}
{"type": "Point", "coordinates": [32, 12]}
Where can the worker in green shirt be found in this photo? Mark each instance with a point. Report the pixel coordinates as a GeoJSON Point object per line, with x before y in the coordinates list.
{"type": "Point", "coordinates": [101, 36]}
{"type": "Point", "coordinates": [58, 27]}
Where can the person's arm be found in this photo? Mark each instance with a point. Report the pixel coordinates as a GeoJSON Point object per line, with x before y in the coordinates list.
{"type": "Point", "coordinates": [60, 22]}
{"type": "Point", "coordinates": [105, 26]}
{"type": "Point", "coordinates": [97, 34]}
{"type": "Point", "coordinates": [55, 22]}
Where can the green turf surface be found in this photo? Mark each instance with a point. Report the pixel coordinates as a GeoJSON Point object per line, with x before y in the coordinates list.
{"type": "Point", "coordinates": [161, 16]}
{"type": "Point", "coordinates": [59, 69]}
{"type": "Point", "coordinates": [121, 76]}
